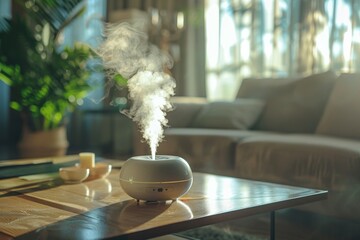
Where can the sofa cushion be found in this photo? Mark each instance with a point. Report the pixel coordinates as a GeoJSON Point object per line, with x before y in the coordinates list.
{"type": "Point", "coordinates": [306, 160]}
{"type": "Point", "coordinates": [263, 88]}
{"type": "Point", "coordinates": [236, 135]}
{"type": "Point", "coordinates": [342, 113]}
{"type": "Point", "coordinates": [184, 110]}
{"type": "Point", "coordinates": [203, 149]}
{"type": "Point", "coordinates": [238, 114]}
{"type": "Point", "coordinates": [210, 150]}
{"type": "Point", "coordinates": [299, 106]}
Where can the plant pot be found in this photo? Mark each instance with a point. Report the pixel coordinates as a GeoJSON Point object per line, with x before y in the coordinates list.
{"type": "Point", "coordinates": [43, 143]}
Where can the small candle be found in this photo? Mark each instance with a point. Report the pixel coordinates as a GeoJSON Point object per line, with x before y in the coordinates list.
{"type": "Point", "coordinates": [87, 160]}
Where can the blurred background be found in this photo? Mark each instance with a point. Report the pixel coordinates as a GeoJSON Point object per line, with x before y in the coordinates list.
{"type": "Point", "coordinates": [214, 44]}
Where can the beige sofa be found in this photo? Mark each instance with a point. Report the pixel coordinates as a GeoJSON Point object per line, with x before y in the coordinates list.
{"type": "Point", "coordinates": [303, 132]}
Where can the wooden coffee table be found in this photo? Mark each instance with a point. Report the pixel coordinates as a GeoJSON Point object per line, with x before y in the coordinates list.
{"type": "Point", "coordinates": [100, 209]}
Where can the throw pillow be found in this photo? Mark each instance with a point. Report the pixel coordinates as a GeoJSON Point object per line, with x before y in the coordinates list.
{"type": "Point", "coordinates": [263, 88]}
{"type": "Point", "coordinates": [341, 117]}
{"type": "Point", "coordinates": [188, 106]}
{"type": "Point", "coordinates": [238, 114]}
{"type": "Point", "coordinates": [299, 106]}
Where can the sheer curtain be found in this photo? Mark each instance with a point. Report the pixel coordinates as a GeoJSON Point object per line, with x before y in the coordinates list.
{"type": "Point", "coordinates": [278, 38]}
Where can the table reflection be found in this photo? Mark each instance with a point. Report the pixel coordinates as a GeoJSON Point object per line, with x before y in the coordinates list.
{"type": "Point", "coordinates": [138, 213]}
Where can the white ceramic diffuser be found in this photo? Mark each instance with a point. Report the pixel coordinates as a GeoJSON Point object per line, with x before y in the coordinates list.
{"type": "Point", "coordinates": [165, 178]}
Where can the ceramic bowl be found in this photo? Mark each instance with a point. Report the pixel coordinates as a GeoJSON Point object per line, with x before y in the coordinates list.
{"type": "Point", "coordinates": [74, 174]}
{"type": "Point", "coordinates": [101, 170]}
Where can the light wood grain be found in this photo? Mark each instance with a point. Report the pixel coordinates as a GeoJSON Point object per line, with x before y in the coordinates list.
{"type": "Point", "coordinates": [34, 161]}
{"type": "Point", "coordinates": [19, 215]}
{"type": "Point", "coordinates": [100, 208]}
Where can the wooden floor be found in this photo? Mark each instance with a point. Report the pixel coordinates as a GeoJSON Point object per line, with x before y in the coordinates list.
{"type": "Point", "coordinates": [297, 225]}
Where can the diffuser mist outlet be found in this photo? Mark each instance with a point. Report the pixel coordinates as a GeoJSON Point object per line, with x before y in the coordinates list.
{"type": "Point", "coordinates": [165, 178]}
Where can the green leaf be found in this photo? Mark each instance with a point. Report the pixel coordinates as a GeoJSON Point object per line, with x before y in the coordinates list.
{"type": "Point", "coordinates": [120, 80]}
{"type": "Point", "coordinates": [34, 108]}
{"type": "Point", "coordinates": [15, 105]}
{"type": "Point", "coordinates": [7, 69]}
{"type": "Point", "coordinates": [5, 79]}
{"type": "Point", "coordinates": [43, 75]}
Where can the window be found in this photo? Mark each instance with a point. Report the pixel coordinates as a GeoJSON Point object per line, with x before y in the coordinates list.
{"type": "Point", "coordinates": [263, 38]}
{"type": "Point", "coordinates": [88, 28]}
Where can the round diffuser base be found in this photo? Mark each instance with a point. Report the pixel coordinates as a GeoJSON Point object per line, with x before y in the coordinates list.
{"type": "Point", "coordinates": [165, 178]}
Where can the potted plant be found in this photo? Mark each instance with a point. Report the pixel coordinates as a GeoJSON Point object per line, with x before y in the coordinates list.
{"type": "Point", "coordinates": [46, 80]}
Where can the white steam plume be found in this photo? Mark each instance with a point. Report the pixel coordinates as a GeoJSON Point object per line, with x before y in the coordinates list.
{"type": "Point", "coordinates": [127, 51]}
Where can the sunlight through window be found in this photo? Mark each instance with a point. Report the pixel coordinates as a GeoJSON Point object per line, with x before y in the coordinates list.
{"type": "Point", "coordinates": [272, 38]}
